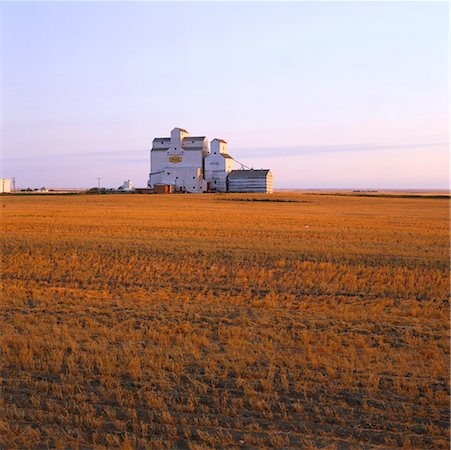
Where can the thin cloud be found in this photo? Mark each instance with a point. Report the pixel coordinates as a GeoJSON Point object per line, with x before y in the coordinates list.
{"type": "Point", "coordinates": [342, 148]}
{"type": "Point", "coordinates": [124, 155]}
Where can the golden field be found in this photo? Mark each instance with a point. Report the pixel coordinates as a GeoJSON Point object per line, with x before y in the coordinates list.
{"type": "Point", "coordinates": [209, 321]}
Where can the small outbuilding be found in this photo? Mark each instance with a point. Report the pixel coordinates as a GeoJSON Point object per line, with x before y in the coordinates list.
{"type": "Point", "coordinates": [161, 188]}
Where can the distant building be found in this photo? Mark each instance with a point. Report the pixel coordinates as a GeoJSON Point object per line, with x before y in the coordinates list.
{"type": "Point", "coordinates": [126, 187]}
{"type": "Point", "coordinates": [5, 185]}
{"type": "Point", "coordinates": [250, 181]}
{"type": "Point", "coordinates": [184, 163]}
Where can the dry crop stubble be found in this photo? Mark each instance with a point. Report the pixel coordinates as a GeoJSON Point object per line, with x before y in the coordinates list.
{"type": "Point", "coordinates": [189, 322]}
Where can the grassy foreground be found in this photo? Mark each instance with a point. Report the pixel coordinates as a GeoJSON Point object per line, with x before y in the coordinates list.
{"type": "Point", "coordinates": [184, 321]}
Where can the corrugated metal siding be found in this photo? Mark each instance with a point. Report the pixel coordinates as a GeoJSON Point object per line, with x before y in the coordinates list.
{"type": "Point", "coordinates": [250, 181]}
{"type": "Point", "coordinates": [250, 185]}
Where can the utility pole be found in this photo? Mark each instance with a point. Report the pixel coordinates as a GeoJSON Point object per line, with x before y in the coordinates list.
{"type": "Point", "coordinates": [14, 184]}
{"type": "Point", "coordinates": [98, 185]}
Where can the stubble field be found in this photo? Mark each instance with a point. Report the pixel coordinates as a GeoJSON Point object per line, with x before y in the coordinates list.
{"type": "Point", "coordinates": [184, 321]}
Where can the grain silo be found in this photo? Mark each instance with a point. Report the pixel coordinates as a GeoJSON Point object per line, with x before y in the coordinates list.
{"type": "Point", "coordinates": [184, 163]}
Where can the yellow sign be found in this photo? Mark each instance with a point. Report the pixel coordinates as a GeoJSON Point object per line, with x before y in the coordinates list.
{"type": "Point", "coordinates": [175, 159]}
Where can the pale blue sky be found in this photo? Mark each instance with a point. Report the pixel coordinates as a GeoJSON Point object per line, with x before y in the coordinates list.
{"type": "Point", "coordinates": [325, 94]}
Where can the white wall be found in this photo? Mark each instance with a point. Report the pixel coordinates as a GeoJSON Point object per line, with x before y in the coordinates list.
{"type": "Point", "coordinates": [161, 143]}
{"type": "Point", "coordinates": [217, 166]}
{"type": "Point", "coordinates": [5, 185]}
{"type": "Point", "coordinates": [177, 135]}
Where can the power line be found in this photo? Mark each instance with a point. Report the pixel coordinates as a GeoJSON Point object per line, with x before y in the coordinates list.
{"type": "Point", "coordinates": [241, 164]}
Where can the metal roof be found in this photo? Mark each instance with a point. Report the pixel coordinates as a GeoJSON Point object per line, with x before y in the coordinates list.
{"type": "Point", "coordinates": [220, 140]}
{"type": "Point", "coordinates": [262, 173]}
{"type": "Point", "coordinates": [162, 139]}
{"type": "Point", "coordinates": [226, 155]}
{"type": "Point", "coordinates": [185, 149]}
{"type": "Point", "coordinates": [180, 129]}
{"type": "Point", "coordinates": [194, 138]}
